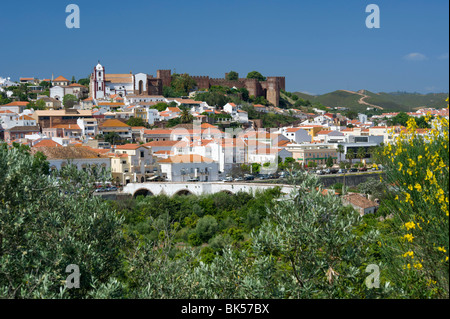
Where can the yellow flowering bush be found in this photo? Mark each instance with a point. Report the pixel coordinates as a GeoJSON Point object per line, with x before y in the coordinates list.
{"type": "Point", "coordinates": [417, 168]}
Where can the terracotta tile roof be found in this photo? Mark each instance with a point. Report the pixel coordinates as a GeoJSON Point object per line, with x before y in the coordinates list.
{"type": "Point", "coordinates": [24, 129]}
{"type": "Point", "coordinates": [158, 131]}
{"type": "Point", "coordinates": [174, 109]}
{"type": "Point", "coordinates": [119, 78]}
{"type": "Point", "coordinates": [207, 125]}
{"type": "Point", "coordinates": [47, 143]}
{"type": "Point", "coordinates": [60, 79]}
{"type": "Point", "coordinates": [17, 103]}
{"type": "Point", "coordinates": [68, 152]}
{"type": "Point", "coordinates": [359, 201]}
{"type": "Point", "coordinates": [293, 129]}
{"type": "Point", "coordinates": [77, 85]}
{"type": "Point", "coordinates": [67, 126]}
{"type": "Point", "coordinates": [6, 112]}
{"type": "Point", "coordinates": [26, 117]}
{"type": "Point", "coordinates": [324, 132]}
{"type": "Point", "coordinates": [114, 123]}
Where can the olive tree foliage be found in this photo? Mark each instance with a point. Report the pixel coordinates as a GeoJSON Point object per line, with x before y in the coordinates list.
{"type": "Point", "coordinates": [49, 221]}
{"type": "Point", "coordinates": [306, 247]}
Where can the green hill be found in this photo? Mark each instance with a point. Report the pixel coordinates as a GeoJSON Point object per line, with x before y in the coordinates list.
{"type": "Point", "coordinates": [394, 101]}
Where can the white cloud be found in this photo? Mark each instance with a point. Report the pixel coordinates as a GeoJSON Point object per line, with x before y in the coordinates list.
{"type": "Point", "coordinates": [415, 57]}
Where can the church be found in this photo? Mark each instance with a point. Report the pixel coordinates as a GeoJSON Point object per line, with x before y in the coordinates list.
{"type": "Point", "coordinates": [102, 85]}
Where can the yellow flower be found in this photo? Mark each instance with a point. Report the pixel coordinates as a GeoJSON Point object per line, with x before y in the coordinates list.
{"type": "Point", "coordinates": [410, 225]}
{"type": "Point", "coordinates": [442, 249]}
{"type": "Point", "coordinates": [418, 266]}
{"type": "Point", "coordinates": [418, 187]}
{"type": "Point", "coordinates": [409, 237]}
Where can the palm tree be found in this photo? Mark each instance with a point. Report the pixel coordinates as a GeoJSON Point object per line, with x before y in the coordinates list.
{"type": "Point", "coordinates": [186, 116]}
{"type": "Point", "coordinates": [340, 150]}
{"type": "Point", "coordinates": [350, 155]}
{"type": "Point", "coordinates": [361, 153]}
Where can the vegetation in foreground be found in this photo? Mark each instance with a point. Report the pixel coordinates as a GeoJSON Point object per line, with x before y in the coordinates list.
{"type": "Point", "coordinates": [264, 245]}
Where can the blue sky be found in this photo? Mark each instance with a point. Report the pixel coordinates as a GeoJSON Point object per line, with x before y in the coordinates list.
{"type": "Point", "coordinates": [320, 46]}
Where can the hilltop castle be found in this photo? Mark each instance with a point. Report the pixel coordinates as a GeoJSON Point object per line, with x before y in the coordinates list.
{"type": "Point", "coordinates": [103, 85]}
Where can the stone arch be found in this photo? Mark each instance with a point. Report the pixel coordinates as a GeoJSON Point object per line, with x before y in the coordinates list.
{"type": "Point", "coordinates": [142, 192]}
{"type": "Point", "coordinates": [184, 192]}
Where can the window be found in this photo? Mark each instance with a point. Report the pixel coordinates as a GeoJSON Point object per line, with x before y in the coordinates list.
{"type": "Point", "coordinates": [142, 154]}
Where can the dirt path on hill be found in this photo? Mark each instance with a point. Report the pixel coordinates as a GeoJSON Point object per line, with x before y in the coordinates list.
{"type": "Point", "coordinates": [363, 97]}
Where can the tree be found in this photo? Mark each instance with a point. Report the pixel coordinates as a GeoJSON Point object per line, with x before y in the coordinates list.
{"type": "Point", "coordinates": [232, 76]}
{"type": "Point", "coordinates": [85, 81]}
{"type": "Point", "coordinates": [38, 105]}
{"type": "Point", "coordinates": [113, 138]}
{"type": "Point", "coordinates": [400, 119]}
{"type": "Point", "coordinates": [329, 161]}
{"type": "Point", "coordinates": [45, 84]}
{"type": "Point", "coordinates": [183, 83]}
{"type": "Point", "coordinates": [73, 80]}
{"type": "Point", "coordinates": [186, 116]}
{"type": "Point", "coordinates": [312, 164]}
{"type": "Point", "coordinates": [361, 154]}
{"type": "Point", "coordinates": [136, 121]}
{"type": "Point", "coordinates": [350, 155]}
{"type": "Point", "coordinates": [213, 98]}
{"type": "Point", "coordinates": [351, 115]}
{"type": "Point", "coordinates": [69, 101]}
{"type": "Point", "coordinates": [50, 221]}
{"type": "Point", "coordinates": [340, 150]}
{"type": "Point", "coordinates": [160, 106]}
{"type": "Point", "coordinates": [256, 75]}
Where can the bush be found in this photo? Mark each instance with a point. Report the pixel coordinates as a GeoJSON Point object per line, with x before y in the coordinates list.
{"type": "Point", "coordinates": [417, 168]}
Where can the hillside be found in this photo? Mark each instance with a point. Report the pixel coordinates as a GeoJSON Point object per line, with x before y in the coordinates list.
{"type": "Point", "coordinates": [394, 101]}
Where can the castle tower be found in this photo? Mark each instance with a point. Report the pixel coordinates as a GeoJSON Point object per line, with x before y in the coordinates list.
{"type": "Point", "coordinates": [97, 85]}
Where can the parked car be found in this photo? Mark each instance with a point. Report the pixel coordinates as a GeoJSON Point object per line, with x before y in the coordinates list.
{"type": "Point", "coordinates": [319, 172]}
{"type": "Point", "coordinates": [363, 169]}
{"type": "Point", "coordinates": [238, 179]}
{"type": "Point", "coordinates": [328, 171]}
{"type": "Point", "coordinates": [353, 170]}
{"type": "Point", "coordinates": [193, 179]}
{"type": "Point", "coordinates": [334, 171]}
{"type": "Point", "coordinates": [228, 179]}
{"type": "Point", "coordinates": [249, 177]}
{"type": "Point", "coordinates": [263, 176]}
{"type": "Point", "coordinates": [342, 171]}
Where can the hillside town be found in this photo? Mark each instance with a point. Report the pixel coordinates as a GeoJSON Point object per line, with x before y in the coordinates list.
{"type": "Point", "coordinates": [213, 144]}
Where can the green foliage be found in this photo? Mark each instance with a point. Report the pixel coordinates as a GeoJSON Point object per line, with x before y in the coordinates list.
{"type": "Point", "coordinates": [329, 161]}
{"type": "Point", "coordinates": [136, 121]}
{"type": "Point", "coordinates": [182, 83]}
{"type": "Point", "coordinates": [417, 239]}
{"type": "Point", "coordinates": [256, 75]}
{"type": "Point", "coordinates": [85, 81]}
{"type": "Point", "coordinates": [38, 105]}
{"type": "Point", "coordinates": [69, 101]}
{"type": "Point", "coordinates": [213, 98]}
{"type": "Point", "coordinates": [232, 76]}
{"type": "Point", "coordinates": [48, 222]}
